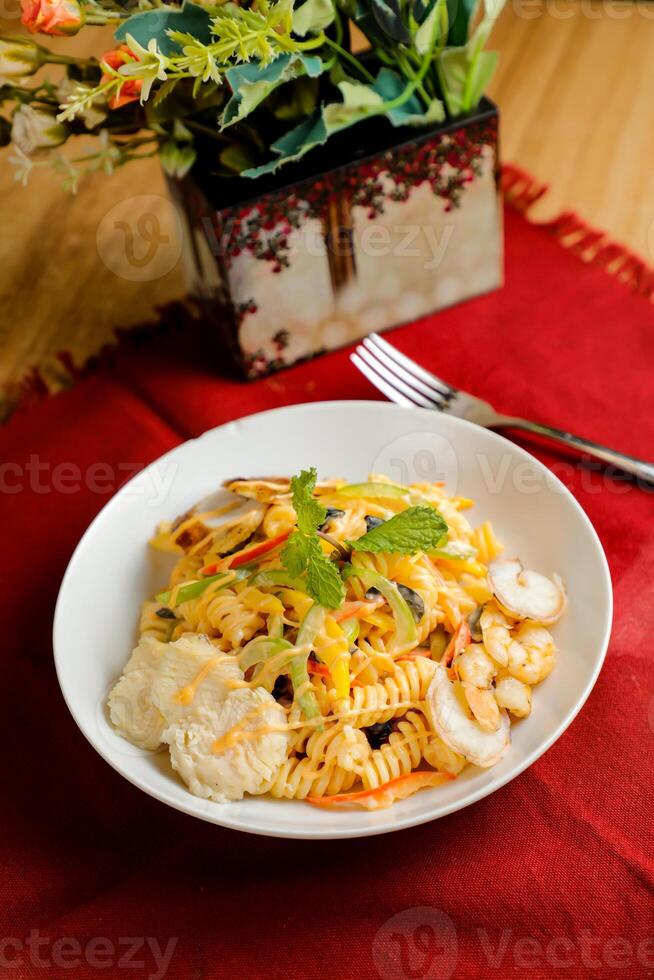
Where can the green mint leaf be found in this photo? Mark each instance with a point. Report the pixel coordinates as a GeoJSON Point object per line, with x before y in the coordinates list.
{"type": "Point", "coordinates": [303, 552]}
{"type": "Point", "coordinates": [324, 583]}
{"type": "Point", "coordinates": [310, 514]}
{"type": "Point", "coordinates": [415, 529]}
{"type": "Point", "coordinates": [295, 553]}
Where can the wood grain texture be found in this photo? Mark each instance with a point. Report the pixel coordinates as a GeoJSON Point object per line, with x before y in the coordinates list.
{"type": "Point", "coordinates": [574, 87]}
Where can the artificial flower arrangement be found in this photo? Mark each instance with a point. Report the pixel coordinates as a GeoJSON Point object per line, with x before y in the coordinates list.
{"type": "Point", "coordinates": [254, 84]}
{"type": "Point", "coordinates": [284, 150]}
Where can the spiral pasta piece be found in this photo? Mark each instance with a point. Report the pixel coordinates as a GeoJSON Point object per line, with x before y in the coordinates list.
{"type": "Point", "coordinates": [298, 778]}
{"type": "Point", "coordinates": [402, 753]}
{"type": "Point", "coordinates": [152, 625]}
{"type": "Point", "coordinates": [222, 613]}
{"type": "Point", "coordinates": [416, 573]}
{"type": "Point", "coordinates": [405, 688]}
{"type": "Point", "coordinates": [279, 517]}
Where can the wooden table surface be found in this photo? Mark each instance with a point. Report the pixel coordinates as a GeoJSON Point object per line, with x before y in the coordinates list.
{"type": "Point", "coordinates": [574, 87]}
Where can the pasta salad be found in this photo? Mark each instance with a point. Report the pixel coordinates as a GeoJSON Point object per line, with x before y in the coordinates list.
{"type": "Point", "coordinates": [345, 644]}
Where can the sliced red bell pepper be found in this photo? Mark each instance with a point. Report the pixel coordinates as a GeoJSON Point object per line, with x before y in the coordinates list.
{"type": "Point", "coordinates": [387, 793]}
{"type": "Point", "coordinates": [322, 670]}
{"type": "Point", "coordinates": [247, 555]}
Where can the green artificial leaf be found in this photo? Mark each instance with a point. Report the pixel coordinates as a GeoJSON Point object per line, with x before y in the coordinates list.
{"type": "Point", "coordinates": [420, 10]}
{"type": "Point", "coordinates": [312, 17]}
{"type": "Point", "coordinates": [189, 19]}
{"type": "Point", "coordinates": [293, 145]}
{"type": "Point", "coordinates": [412, 112]}
{"type": "Point", "coordinates": [388, 15]}
{"type": "Point", "coordinates": [251, 83]}
{"type": "Point", "coordinates": [236, 157]}
{"type": "Point", "coordinates": [464, 72]}
{"type": "Point", "coordinates": [460, 14]}
{"type": "Point", "coordinates": [365, 21]}
{"type": "Point", "coordinates": [415, 529]}
{"type": "Point", "coordinates": [430, 29]}
{"type": "Point", "coordinates": [359, 102]}
{"type": "Point", "coordinates": [297, 100]}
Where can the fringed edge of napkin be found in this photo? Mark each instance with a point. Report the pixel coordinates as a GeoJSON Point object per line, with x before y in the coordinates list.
{"type": "Point", "coordinates": [522, 191]}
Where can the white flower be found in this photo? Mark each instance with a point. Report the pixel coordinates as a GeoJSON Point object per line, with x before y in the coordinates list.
{"type": "Point", "coordinates": [151, 65]}
{"type": "Point", "coordinates": [68, 88]}
{"type": "Point", "coordinates": [108, 154]}
{"type": "Point", "coordinates": [35, 130]}
{"type": "Point", "coordinates": [23, 166]}
{"type": "Point", "coordinates": [19, 58]}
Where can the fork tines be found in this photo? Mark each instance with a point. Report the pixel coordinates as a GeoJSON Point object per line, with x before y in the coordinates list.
{"type": "Point", "coordinates": [398, 377]}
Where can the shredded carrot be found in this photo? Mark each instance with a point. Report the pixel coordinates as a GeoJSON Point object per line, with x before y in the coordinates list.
{"type": "Point", "coordinates": [387, 793]}
{"type": "Point", "coordinates": [418, 652]}
{"type": "Point", "coordinates": [458, 643]}
{"type": "Point", "coordinates": [355, 608]}
{"type": "Point", "coordinates": [322, 670]}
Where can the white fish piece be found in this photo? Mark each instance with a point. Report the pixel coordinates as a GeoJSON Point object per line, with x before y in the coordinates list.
{"type": "Point", "coordinates": [131, 709]}
{"type": "Point", "coordinates": [218, 765]}
{"type": "Point", "coordinates": [525, 594]}
{"type": "Point", "coordinates": [450, 719]}
{"type": "Point", "coordinates": [193, 673]}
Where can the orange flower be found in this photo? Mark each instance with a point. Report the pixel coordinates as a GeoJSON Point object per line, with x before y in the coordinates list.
{"type": "Point", "coordinates": [130, 90]}
{"type": "Point", "coordinates": [59, 17]}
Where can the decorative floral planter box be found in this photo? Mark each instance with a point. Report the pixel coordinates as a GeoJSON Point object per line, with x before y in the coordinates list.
{"type": "Point", "coordinates": [318, 260]}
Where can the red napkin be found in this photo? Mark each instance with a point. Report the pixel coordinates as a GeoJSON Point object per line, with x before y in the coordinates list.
{"type": "Point", "coordinates": [552, 875]}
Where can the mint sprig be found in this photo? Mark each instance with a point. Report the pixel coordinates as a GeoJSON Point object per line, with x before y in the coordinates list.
{"type": "Point", "coordinates": [414, 529]}
{"type": "Point", "coordinates": [303, 553]}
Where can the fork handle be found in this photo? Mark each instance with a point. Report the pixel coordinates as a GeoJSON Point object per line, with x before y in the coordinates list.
{"type": "Point", "coordinates": [629, 464]}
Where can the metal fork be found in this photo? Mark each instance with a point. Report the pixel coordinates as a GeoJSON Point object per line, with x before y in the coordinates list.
{"type": "Point", "coordinates": [407, 383]}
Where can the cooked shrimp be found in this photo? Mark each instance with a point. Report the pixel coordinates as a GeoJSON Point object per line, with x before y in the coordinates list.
{"type": "Point", "coordinates": [475, 667]}
{"type": "Point", "coordinates": [512, 694]}
{"type": "Point", "coordinates": [531, 654]}
{"type": "Point", "coordinates": [525, 594]}
{"type": "Point", "coordinates": [496, 633]}
{"type": "Point", "coordinates": [450, 719]}
{"type": "Point", "coordinates": [476, 671]}
{"type": "Point", "coordinates": [442, 757]}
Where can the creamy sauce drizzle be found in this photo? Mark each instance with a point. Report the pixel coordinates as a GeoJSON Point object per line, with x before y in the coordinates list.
{"type": "Point", "coordinates": [186, 694]}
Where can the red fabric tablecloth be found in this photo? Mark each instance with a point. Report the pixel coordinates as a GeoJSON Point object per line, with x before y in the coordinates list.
{"type": "Point", "coordinates": [552, 875]}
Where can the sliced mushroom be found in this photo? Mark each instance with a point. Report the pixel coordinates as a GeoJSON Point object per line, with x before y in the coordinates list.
{"type": "Point", "coordinates": [524, 594]}
{"type": "Point", "coordinates": [450, 718]}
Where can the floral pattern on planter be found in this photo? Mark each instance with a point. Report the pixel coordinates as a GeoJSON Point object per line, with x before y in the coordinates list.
{"type": "Point", "coordinates": [364, 247]}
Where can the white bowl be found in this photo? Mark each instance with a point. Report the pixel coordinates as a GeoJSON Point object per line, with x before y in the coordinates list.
{"type": "Point", "coordinates": [112, 571]}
